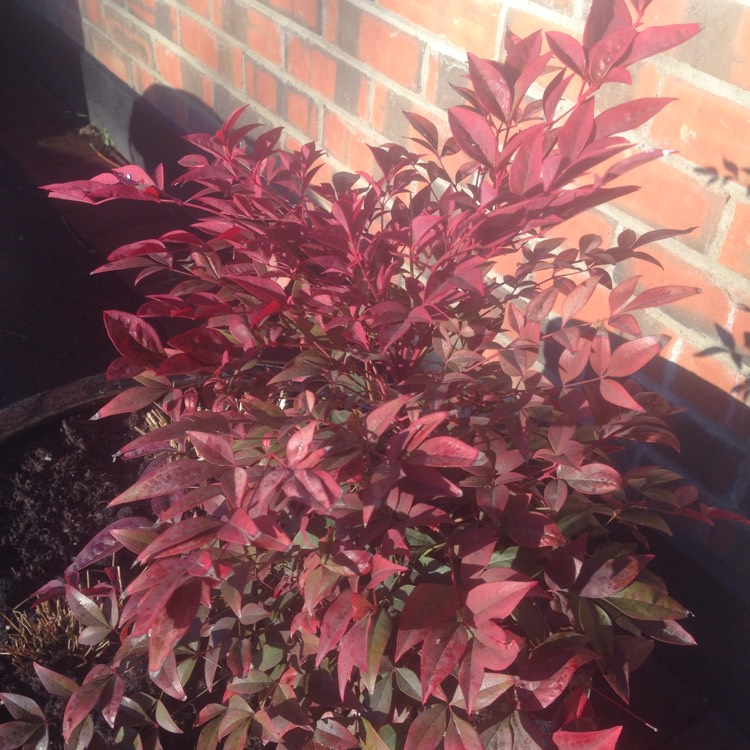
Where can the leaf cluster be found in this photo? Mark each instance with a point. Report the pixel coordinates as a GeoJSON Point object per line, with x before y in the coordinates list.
{"type": "Point", "coordinates": [385, 508]}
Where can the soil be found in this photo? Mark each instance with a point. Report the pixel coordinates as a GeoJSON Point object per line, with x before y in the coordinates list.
{"type": "Point", "coordinates": [55, 483]}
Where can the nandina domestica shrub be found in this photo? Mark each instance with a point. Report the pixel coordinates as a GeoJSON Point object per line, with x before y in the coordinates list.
{"type": "Point", "coordinates": [385, 508]}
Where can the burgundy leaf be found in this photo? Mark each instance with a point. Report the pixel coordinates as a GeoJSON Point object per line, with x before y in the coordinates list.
{"type": "Point", "coordinates": [591, 479]}
{"type": "Point", "coordinates": [568, 50]}
{"type": "Point", "coordinates": [130, 400]}
{"type": "Point", "coordinates": [184, 536]}
{"type": "Point", "coordinates": [628, 116]}
{"type": "Point", "coordinates": [135, 339]}
{"type": "Point", "coordinates": [427, 729]}
{"type": "Point", "coordinates": [598, 579]}
{"type": "Point", "coordinates": [425, 128]}
{"type": "Point", "coordinates": [55, 683]}
{"type": "Point", "coordinates": [474, 135]}
{"type": "Point", "coordinates": [330, 733]}
{"type": "Point", "coordinates": [659, 296]}
{"type": "Point", "coordinates": [491, 87]}
{"type": "Point", "coordinates": [381, 418]}
{"type": "Point", "coordinates": [461, 735]}
{"type": "Point", "coordinates": [658, 39]}
{"type": "Point", "coordinates": [442, 649]}
{"type": "Point", "coordinates": [495, 600]}
{"type": "Point", "coordinates": [172, 476]}
{"type": "Point", "coordinates": [615, 393]}
{"type": "Point", "coordinates": [15, 734]}
{"type": "Point", "coordinates": [445, 452]}
{"type": "Point", "coordinates": [429, 605]}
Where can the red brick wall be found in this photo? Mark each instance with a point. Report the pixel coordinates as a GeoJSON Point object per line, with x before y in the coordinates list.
{"type": "Point", "coordinates": [340, 71]}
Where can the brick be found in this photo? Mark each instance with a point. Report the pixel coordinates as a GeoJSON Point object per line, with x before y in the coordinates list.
{"type": "Point", "coordinates": [523, 24]}
{"type": "Point", "coordinates": [706, 381]}
{"type": "Point", "coordinates": [100, 47]}
{"type": "Point", "coordinates": [735, 253]}
{"type": "Point", "coordinates": [352, 91]}
{"type": "Point", "coordinates": [705, 128]}
{"type": "Point", "coordinates": [442, 71]}
{"type": "Point", "coordinates": [311, 66]}
{"type": "Point", "coordinates": [719, 21]}
{"type": "Point", "coordinates": [387, 113]}
{"type": "Point", "coordinates": [331, 20]}
{"type": "Point", "coordinates": [93, 12]}
{"type": "Point", "coordinates": [302, 113]}
{"type": "Point", "coordinates": [342, 27]}
{"type": "Point", "coordinates": [261, 85]}
{"type": "Point", "coordinates": [168, 65]}
{"type": "Point", "coordinates": [230, 64]}
{"type": "Point", "coordinates": [705, 459]}
{"type": "Point", "coordinates": [390, 51]}
{"type": "Point", "coordinates": [259, 33]}
{"type": "Point", "coordinates": [199, 40]}
{"type": "Point", "coordinates": [739, 71]}
{"type": "Point", "coordinates": [346, 142]}
{"type": "Point", "coordinates": [469, 24]}
{"type": "Point", "coordinates": [306, 12]}
{"type": "Point", "coordinates": [196, 83]}
{"type": "Point", "coordinates": [201, 7]}
{"type": "Point", "coordinates": [670, 198]}
{"type": "Point", "coordinates": [157, 14]}
{"type": "Point", "coordinates": [128, 36]}
{"type": "Point", "coordinates": [143, 79]}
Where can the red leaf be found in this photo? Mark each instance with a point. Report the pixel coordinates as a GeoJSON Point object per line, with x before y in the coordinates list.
{"type": "Point", "coordinates": [598, 580]}
{"type": "Point", "coordinates": [615, 393]}
{"type": "Point", "coordinates": [576, 132]}
{"type": "Point", "coordinates": [55, 683]}
{"type": "Point", "coordinates": [492, 90]}
{"type": "Point", "coordinates": [15, 734]}
{"type": "Point", "coordinates": [334, 624]}
{"type": "Point", "coordinates": [446, 452]}
{"type": "Point", "coordinates": [461, 735]}
{"type": "Point", "coordinates": [441, 651]}
{"type": "Point", "coordinates": [525, 171]}
{"type": "Point", "coordinates": [495, 601]}
{"type": "Point", "coordinates": [380, 419]}
{"type": "Point", "coordinates": [135, 339]}
{"type": "Point", "coordinates": [429, 605]}
{"type": "Point", "coordinates": [332, 734]}
{"type": "Point", "coordinates": [627, 116]}
{"type": "Point", "coordinates": [21, 707]}
{"type": "Point", "coordinates": [425, 128]}
{"type": "Point", "coordinates": [81, 704]}
{"type": "Point", "coordinates": [548, 672]}
{"type": "Point", "coordinates": [605, 739]}
{"type": "Point", "coordinates": [568, 50]}
{"type": "Point", "coordinates": [591, 479]}
{"type": "Point", "coordinates": [130, 400]}
{"type": "Point", "coordinates": [474, 135]}
{"type": "Point", "coordinates": [576, 300]}
{"type": "Point", "coordinates": [632, 356]}
{"type": "Point", "coordinates": [170, 477]}
{"type": "Point", "coordinates": [659, 296]}
{"type": "Point", "coordinates": [658, 39]}
{"type": "Point", "coordinates": [173, 622]}
{"type": "Point", "coordinates": [184, 536]}
{"type": "Point", "coordinates": [427, 730]}
{"type": "Point", "coordinates": [104, 543]}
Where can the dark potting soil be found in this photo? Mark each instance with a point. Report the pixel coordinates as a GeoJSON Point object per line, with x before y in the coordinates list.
{"type": "Point", "coordinates": [55, 484]}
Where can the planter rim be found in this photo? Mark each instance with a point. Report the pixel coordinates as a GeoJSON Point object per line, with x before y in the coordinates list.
{"type": "Point", "coordinates": [35, 410]}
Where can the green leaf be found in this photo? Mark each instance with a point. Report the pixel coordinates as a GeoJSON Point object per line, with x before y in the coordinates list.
{"type": "Point", "coordinates": [642, 601]}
